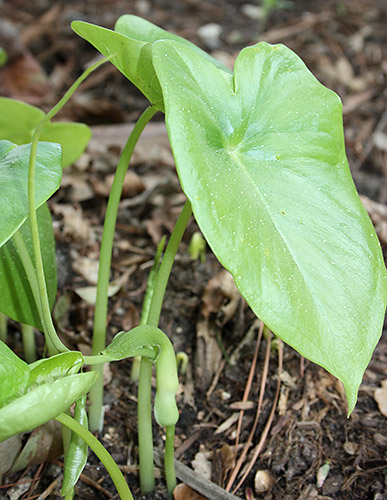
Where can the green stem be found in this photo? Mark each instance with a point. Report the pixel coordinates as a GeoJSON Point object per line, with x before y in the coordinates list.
{"type": "Point", "coordinates": [100, 318]}
{"type": "Point", "coordinates": [135, 371]}
{"type": "Point", "coordinates": [144, 426]}
{"type": "Point", "coordinates": [169, 463]}
{"type": "Point", "coordinates": [101, 358]}
{"type": "Point", "coordinates": [3, 327]}
{"type": "Point", "coordinates": [101, 452]}
{"type": "Point", "coordinates": [49, 330]}
{"type": "Point", "coordinates": [29, 269]}
{"type": "Point", "coordinates": [144, 388]}
{"type": "Point", "coordinates": [29, 346]}
{"type": "Point", "coordinates": [166, 265]}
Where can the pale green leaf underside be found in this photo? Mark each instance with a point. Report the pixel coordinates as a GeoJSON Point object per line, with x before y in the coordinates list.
{"type": "Point", "coordinates": [131, 45]}
{"type": "Point", "coordinates": [18, 121]}
{"type": "Point", "coordinates": [16, 298]}
{"type": "Point", "coordinates": [261, 158]}
{"type": "Point", "coordinates": [14, 182]}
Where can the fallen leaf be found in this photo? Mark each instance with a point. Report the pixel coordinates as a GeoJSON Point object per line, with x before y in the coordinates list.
{"type": "Point", "coordinates": [184, 492]}
{"type": "Point", "coordinates": [202, 466]}
{"type": "Point", "coordinates": [380, 396]}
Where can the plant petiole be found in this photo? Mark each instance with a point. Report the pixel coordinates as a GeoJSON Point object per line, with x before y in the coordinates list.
{"type": "Point", "coordinates": [105, 457]}
{"type": "Point", "coordinates": [144, 396]}
{"type": "Point", "coordinates": [100, 318]}
{"type": "Point", "coordinates": [49, 330]}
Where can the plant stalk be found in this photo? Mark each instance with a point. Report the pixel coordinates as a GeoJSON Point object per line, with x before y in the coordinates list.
{"type": "Point", "coordinates": [169, 463]}
{"type": "Point", "coordinates": [144, 387]}
{"type": "Point", "coordinates": [49, 329]}
{"type": "Point", "coordinates": [144, 426]}
{"type": "Point", "coordinates": [29, 346]}
{"type": "Point", "coordinates": [100, 318]}
{"type": "Point", "coordinates": [101, 452]}
{"type": "Point", "coordinates": [3, 327]}
{"type": "Point", "coordinates": [166, 265]}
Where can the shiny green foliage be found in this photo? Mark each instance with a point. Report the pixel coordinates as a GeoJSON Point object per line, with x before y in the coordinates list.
{"type": "Point", "coordinates": [261, 157]}
{"type": "Point", "coordinates": [33, 395]}
{"type": "Point", "coordinates": [131, 45]}
{"type": "Point", "coordinates": [14, 375]}
{"type": "Point", "coordinates": [76, 456]}
{"type": "Point", "coordinates": [14, 161]}
{"type": "Point", "coordinates": [17, 300]}
{"type": "Point", "coordinates": [18, 121]}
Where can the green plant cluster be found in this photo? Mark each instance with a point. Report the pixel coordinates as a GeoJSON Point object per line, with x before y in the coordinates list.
{"type": "Point", "coordinates": [261, 159]}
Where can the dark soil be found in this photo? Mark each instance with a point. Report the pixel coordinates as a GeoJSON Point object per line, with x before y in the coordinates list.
{"type": "Point", "coordinates": [344, 44]}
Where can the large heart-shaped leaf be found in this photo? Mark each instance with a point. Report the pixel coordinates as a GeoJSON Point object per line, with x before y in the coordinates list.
{"type": "Point", "coordinates": [16, 298]}
{"type": "Point", "coordinates": [18, 121]}
{"type": "Point", "coordinates": [261, 158]}
{"type": "Point", "coordinates": [131, 45]}
{"type": "Point", "coordinates": [14, 161]}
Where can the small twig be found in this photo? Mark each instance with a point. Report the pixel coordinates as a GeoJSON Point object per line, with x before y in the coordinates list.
{"type": "Point", "coordinates": [257, 414]}
{"type": "Point", "coordinates": [95, 485]}
{"type": "Point", "coordinates": [248, 384]}
{"type": "Point", "coordinates": [266, 430]}
{"type": "Point", "coordinates": [49, 490]}
{"type": "Point", "coordinates": [216, 378]}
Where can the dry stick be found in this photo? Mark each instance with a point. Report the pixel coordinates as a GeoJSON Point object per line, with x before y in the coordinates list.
{"type": "Point", "coordinates": [197, 481]}
{"type": "Point", "coordinates": [248, 386]}
{"type": "Point", "coordinates": [266, 430]}
{"type": "Point", "coordinates": [259, 408]}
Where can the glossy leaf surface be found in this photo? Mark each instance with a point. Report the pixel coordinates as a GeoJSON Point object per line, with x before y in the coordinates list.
{"type": "Point", "coordinates": [58, 366]}
{"type": "Point", "coordinates": [132, 45]}
{"type": "Point", "coordinates": [14, 375]}
{"type": "Point", "coordinates": [14, 182]}
{"type": "Point", "coordinates": [261, 158]}
{"type": "Point", "coordinates": [18, 121]}
{"type": "Point", "coordinates": [42, 404]}
{"type": "Point", "coordinates": [16, 298]}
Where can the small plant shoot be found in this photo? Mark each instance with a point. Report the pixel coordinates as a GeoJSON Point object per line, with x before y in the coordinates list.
{"type": "Point", "coordinates": [260, 156]}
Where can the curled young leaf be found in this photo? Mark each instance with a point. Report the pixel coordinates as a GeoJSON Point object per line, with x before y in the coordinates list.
{"type": "Point", "coordinates": [76, 456]}
{"type": "Point", "coordinates": [128, 344]}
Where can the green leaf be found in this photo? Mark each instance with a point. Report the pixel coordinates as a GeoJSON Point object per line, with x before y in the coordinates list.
{"type": "Point", "coordinates": [42, 404]}
{"type": "Point", "coordinates": [14, 182]}
{"type": "Point", "coordinates": [73, 138]}
{"type": "Point", "coordinates": [14, 375]}
{"type": "Point", "coordinates": [58, 366]}
{"type": "Point", "coordinates": [16, 298]}
{"type": "Point", "coordinates": [261, 158]}
{"type": "Point", "coordinates": [131, 45]}
{"type": "Point", "coordinates": [18, 121]}
{"type": "Point", "coordinates": [76, 456]}
{"type": "Point", "coordinates": [143, 30]}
